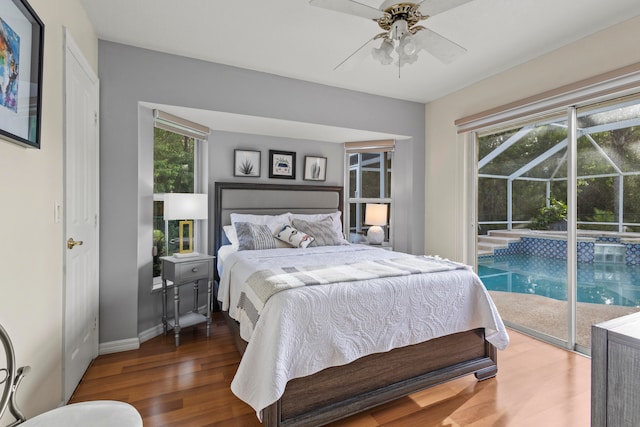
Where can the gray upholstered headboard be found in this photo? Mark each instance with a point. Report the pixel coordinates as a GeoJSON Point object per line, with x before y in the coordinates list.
{"type": "Point", "coordinates": [270, 199]}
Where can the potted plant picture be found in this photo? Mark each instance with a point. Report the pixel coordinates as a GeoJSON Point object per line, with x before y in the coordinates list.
{"type": "Point", "coordinates": [246, 163]}
{"type": "Point", "coordinates": [315, 168]}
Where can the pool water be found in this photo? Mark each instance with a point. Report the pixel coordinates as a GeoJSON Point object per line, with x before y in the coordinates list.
{"type": "Point", "coordinates": [598, 283]}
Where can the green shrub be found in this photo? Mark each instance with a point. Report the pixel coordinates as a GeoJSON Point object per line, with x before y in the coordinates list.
{"type": "Point", "coordinates": [602, 215]}
{"type": "Point", "coordinates": [158, 243]}
{"type": "Point", "coordinates": [555, 212]}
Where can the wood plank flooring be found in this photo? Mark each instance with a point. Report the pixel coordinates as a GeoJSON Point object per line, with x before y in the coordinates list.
{"type": "Point", "coordinates": [537, 385]}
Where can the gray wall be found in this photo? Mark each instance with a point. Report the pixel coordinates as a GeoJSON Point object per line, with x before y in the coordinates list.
{"type": "Point", "coordinates": [222, 145]}
{"type": "Point", "coordinates": [130, 75]}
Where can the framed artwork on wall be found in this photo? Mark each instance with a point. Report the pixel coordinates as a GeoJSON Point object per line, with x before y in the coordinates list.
{"type": "Point", "coordinates": [315, 168]}
{"type": "Point", "coordinates": [21, 52]}
{"type": "Point", "coordinates": [246, 163]}
{"type": "Point", "coordinates": [282, 164]}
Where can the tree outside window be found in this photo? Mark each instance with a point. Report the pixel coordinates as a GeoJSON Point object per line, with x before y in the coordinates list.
{"type": "Point", "coordinates": [173, 172]}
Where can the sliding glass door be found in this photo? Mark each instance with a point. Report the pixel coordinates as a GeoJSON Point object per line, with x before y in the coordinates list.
{"type": "Point", "coordinates": [608, 213]}
{"type": "Point", "coordinates": [522, 193]}
{"type": "Point", "coordinates": [558, 205]}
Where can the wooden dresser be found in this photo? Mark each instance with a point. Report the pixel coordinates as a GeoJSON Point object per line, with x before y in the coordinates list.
{"type": "Point", "coordinates": [615, 372]}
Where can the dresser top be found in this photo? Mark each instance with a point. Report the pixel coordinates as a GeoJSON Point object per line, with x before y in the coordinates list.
{"type": "Point", "coordinates": [627, 325]}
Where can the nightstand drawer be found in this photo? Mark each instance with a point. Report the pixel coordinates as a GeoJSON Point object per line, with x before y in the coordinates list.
{"type": "Point", "coordinates": [192, 271]}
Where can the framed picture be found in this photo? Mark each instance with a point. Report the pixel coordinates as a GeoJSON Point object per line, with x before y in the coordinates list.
{"type": "Point", "coordinates": [246, 163]}
{"type": "Point", "coordinates": [315, 168]}
{"type": "Point", "coordinates": [21, 51]}
{"type": "Point", "coordinates": [282, 164]}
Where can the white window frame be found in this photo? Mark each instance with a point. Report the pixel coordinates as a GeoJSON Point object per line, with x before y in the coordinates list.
{"type": "Point", "coordinates": [200, 135]}
{"type": "Point", "coordinates": [358, 148]}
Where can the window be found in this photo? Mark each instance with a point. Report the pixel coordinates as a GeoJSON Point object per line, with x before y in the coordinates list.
{"type": "Point", "coordinates": [369, 181]}
{"type": "Point", "coordinates": [179, 166]}
{"type": "Point", "coordinates": [558, 215]}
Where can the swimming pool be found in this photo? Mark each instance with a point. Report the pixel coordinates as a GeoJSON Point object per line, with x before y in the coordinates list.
{"type": "Point", "coordinates": [598, 283]}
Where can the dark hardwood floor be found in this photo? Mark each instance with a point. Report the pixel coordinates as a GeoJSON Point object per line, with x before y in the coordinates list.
{"type": "Point", "coordinates": [537, 385]}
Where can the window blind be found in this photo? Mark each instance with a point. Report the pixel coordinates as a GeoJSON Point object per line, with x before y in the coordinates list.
{"type": "Point", "coordinates": [181, 126]}
{"type": "Point", "coordinates": [381, 146]}
{"type": "Point", "coordinates": [614, 83]}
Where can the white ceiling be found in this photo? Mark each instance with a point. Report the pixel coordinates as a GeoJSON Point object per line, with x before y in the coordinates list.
{"type": "Point", "coordinates": [294, 39]}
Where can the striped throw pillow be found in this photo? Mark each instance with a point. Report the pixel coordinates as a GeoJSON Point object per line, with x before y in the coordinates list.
{"type": "Point", "coordinates": [254, 236]}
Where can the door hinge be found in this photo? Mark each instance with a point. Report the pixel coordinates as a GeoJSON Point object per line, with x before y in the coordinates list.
{"type": "Point", "coordinates": [95, 117]}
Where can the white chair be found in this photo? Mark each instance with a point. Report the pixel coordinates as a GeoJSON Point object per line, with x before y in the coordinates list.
{"type": "Point", "coordinates": [98, 413]}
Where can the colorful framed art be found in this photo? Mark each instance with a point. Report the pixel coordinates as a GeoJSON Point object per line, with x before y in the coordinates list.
{"type": "Point", "coordinates": [21, 52]}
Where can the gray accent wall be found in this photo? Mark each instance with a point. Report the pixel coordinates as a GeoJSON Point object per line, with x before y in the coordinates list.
{"type": "Point", "coordinates": [131, 75]}
{"type": "Point", "coordinates": [223, 144]}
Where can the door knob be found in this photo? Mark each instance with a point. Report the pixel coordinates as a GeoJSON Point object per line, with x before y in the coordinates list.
{"type": "Point", "coordinates": [71, 243]}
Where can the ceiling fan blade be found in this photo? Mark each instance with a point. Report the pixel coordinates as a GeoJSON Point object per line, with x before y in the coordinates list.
{"type": "Point", "coordinates": [434, 7]}
{"type": "Point", "coordinates": [349, 6]}
{"type": "Point", "coordinates": [442, 48]}
{"type": "Point", "coordinates": [356, 57]}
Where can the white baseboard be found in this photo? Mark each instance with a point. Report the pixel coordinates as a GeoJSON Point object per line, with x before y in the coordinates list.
{"type": "Point", "coordinates": [134, 343]}
{"type": "Point", "coordinates": [118, 346]}
{"type": "Point", "coordinates": [150, 333]}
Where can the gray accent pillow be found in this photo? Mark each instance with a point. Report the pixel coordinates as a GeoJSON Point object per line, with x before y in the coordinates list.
{"type": "Point", "coordinates": [335, 218]}
{"type": "Point", "coordinates": [254, 236]}
{"type": "Point", "coordinates": [322, 231]}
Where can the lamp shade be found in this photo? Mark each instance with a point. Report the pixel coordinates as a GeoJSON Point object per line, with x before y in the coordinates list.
{"type": "Point", "coordinates": [375, 214]}
{"type": "Point", "coordinates": [185, 206]}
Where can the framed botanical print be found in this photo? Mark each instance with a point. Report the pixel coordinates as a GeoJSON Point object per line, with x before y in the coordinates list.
{"type": "Point", "coordinates": [315, 168]}
{"type": "Point", "coordinates": [21, 51]}
{"type": "Point", "coordinates": [246, 163]}
{"type": "Point", "coordinates": [282, 164]}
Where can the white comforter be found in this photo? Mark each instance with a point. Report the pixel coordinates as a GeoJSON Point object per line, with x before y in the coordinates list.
{"type": "Point", "coordinates": [305, 330]}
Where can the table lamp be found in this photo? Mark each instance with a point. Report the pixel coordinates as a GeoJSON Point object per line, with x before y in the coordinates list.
{"type": "Point", "coordinates": [375, 216]}
{"type": "Point", "coordinates": [185, 207]}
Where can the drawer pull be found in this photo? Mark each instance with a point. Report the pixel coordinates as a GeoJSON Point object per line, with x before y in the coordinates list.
{"type": "Point", "coordinates": [194, 269]}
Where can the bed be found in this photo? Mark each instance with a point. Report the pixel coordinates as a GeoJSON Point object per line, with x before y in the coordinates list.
{"type": "Point", "coordinates": [318, 383]}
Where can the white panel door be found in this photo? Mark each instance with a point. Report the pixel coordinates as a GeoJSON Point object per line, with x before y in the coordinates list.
{"type": "Point", "coordinates": [81, 217]}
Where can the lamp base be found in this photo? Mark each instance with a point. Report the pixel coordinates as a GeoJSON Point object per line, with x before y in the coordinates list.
{"type": "Point", "coordinates": [375, 235]}
{"type": "Point", "coordinates": [186, 236]}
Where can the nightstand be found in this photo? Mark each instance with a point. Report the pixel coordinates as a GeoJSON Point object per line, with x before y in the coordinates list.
{"type": "Point", "coordinates": [182, 271]}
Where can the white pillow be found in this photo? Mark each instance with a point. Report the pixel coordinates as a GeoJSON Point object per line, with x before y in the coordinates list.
{"type": "Point", "coordinates": [232, 236]}
{"type": "Point", "coordinates": [273, 221]}
{"type": "Point", "coordinates": [336, 221]}
{"type": "Point", "coordinates": [260, 219]}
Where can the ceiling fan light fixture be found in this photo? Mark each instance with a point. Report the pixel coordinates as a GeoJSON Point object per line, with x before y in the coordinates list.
{"type": "Point", "coordinates": [399, 29]}
{"type": "Point", "coordinates": [407, 45]}
{"type": "Point", "coordinates": [404, 59]}
{"type": "Point", "coordinates": [399, 20]}
{"type": "Point", "coordinates": [383, 53]}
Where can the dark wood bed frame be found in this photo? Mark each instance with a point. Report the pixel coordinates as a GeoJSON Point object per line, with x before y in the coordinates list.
{"type": "Point", "coordinates": [340, 391]}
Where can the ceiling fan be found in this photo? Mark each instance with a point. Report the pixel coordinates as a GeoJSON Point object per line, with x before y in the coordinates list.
{"type": "Point", "coordinates": [402, 34]}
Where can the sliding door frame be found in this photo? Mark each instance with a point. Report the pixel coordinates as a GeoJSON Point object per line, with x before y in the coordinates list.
{"type": "Point", "coordinates": [605, 87]}
{"type": "Point", "coordinates": [572, 227]}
